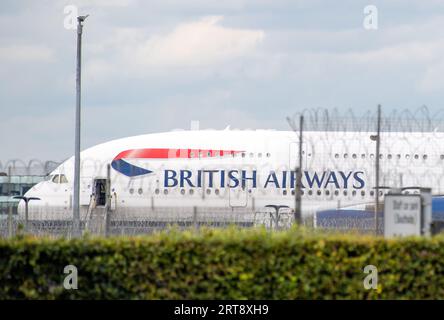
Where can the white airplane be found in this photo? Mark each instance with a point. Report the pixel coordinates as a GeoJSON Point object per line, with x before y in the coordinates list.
{"type": "Point", "coordinates": [240, 171]}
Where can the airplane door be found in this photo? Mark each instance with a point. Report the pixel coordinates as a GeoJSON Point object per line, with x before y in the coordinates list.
{"type": "Point", "coordinates": [92, 187]}
{"type": "Point", "coordinates": [100, 192]}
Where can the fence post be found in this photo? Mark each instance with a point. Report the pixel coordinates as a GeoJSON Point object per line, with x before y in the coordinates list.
{"type": "Point", "coordinates": [378, 147]}
{"type": "Point", "coordinates": [108, 199]}
{"type": "Point", "coordinates": [9, 220]}
{"type": "Point", "coordinates": [195, 218]}
{"type": "Point", "coordinates": [9, 205]}
{"type": "Point", "coordinates": [298, 197]}
{"type": "Point", "coordinates": [26, 216]}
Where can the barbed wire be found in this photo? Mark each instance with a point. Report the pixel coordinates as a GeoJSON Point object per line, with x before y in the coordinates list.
{"type": "Point", "coordinates": [418, 120]}
{"type": "Point", "coordinates": [411, 157]}
{"type": "Point", "coordinates": [33, 167]}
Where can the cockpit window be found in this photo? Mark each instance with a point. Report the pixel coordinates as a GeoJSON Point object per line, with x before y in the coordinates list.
{"type": "Point", "coordinates": [57, 178]}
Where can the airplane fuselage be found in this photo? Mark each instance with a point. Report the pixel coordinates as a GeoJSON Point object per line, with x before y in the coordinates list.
{"type": "Point", "coordinates": [244, 170]}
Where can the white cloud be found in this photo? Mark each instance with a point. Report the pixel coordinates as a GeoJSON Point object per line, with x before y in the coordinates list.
{"type": "Point", "coordinates": [103, 3]}
{"type": "Point", "coordinates": [201, 43]}
{"type": "Point", "coordinates": [409, 52]}
{"type": "Point", "coordinates": [433, 80]}
{"type": "Point", "coordinates": [198, 43]}
{"type": "Point", "coordinates": [22, 53]}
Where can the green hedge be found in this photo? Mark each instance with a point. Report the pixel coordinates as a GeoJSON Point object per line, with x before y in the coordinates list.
{"type": "Point", "coordinates": [223, 264]}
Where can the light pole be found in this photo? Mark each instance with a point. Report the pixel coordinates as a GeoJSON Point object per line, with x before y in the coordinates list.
{"type": "Point", "coordinates": [377, 138]}
{"type": "Point", "coordinates": [298, 191]}
{"type": "Point", "coordinates": [76, 202]}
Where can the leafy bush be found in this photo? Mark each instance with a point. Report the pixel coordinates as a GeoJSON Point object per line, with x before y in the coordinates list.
{"type": "Point", "coordinates": [223, 264]}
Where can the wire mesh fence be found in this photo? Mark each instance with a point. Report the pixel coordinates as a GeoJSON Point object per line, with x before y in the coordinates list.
{"type": "Point", "coordinates": [400, 121]}
{"type": "Point", "coordinates": [58, 223]}
{"type": "Point", "coordinates": [16, 178]}
{"type": "Point", "coordinates": [35, 167]}
{"type": "Point", "coordinates": [339, 157]}
{"type": "Point", "coordinates": [55, 222]}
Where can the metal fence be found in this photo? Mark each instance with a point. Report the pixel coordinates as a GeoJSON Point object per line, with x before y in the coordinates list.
{"type": "Point", "coordinates": [404, 121]}
{"type": "Point", "coordinates": [404, 163]}
{"type": "Point", "coordinates": [17, 177]}
{"type": "Point", "coordinates": [35, 167]}
{"type": "Point", "coordinates": [57, 222]}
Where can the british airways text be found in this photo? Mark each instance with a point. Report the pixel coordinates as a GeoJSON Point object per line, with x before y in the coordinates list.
{"type": "Point", "coordinates": [251, 179]}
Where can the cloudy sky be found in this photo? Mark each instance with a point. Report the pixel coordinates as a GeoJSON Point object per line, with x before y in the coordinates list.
{"type": "Point", "coordinates": [154, 66]}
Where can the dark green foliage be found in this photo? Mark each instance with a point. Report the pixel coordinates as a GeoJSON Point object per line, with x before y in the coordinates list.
{"type": "Point", "coordinates": [223, 264]}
